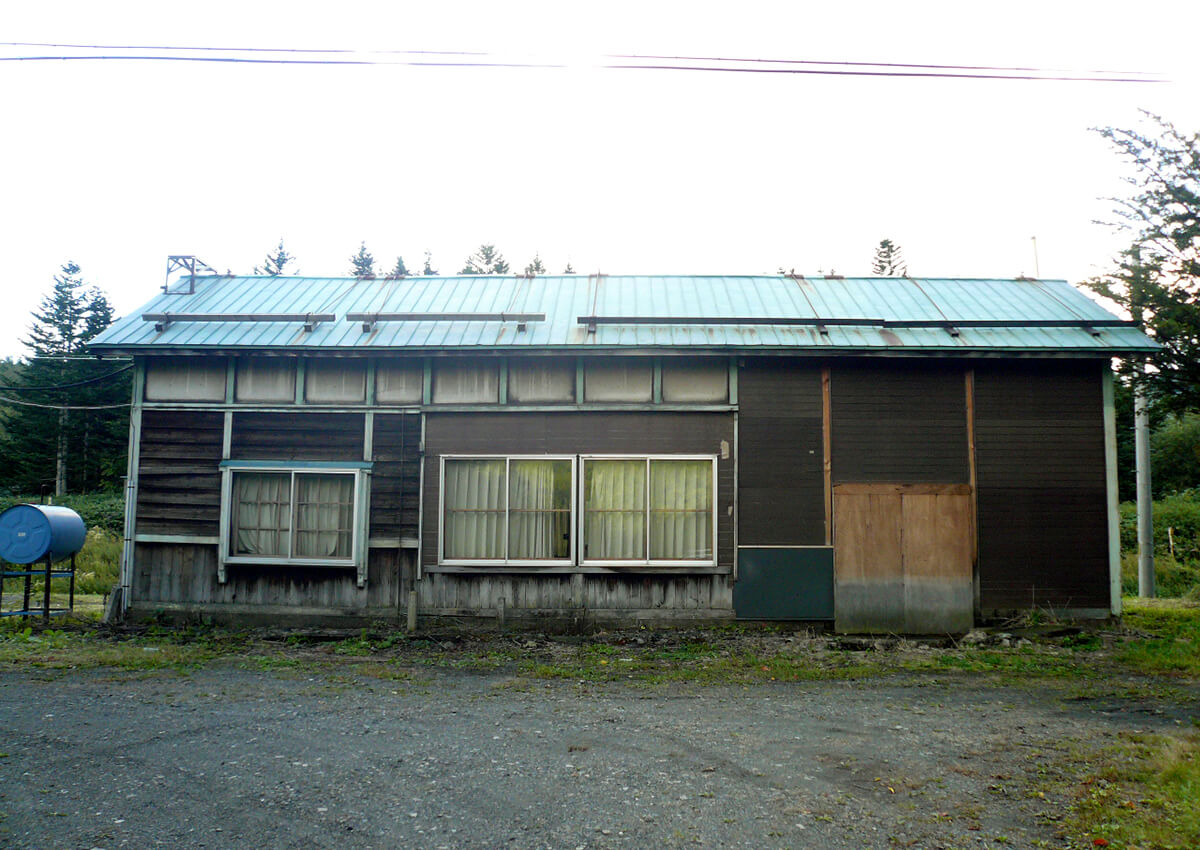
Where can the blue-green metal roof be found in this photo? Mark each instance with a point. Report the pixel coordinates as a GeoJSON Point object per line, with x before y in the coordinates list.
{"type": "Point", "coordinates": [687, 312]}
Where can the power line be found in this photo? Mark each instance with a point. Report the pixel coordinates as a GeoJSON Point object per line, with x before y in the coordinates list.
{"type": "Point", "coordinates": [69, 386]}
{"type": "Point", "coordinates": [62, 406]}
{"type": "Point", "coordinates": [647, 62]}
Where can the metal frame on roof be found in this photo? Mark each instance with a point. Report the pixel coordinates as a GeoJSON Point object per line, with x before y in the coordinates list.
{"type": "Point", "coordinates": [163, 320]}
{"type": "Point", "coordinates": [370, 319]}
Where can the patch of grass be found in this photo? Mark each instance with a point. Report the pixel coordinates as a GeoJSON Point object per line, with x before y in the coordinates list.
{"type": "Point", "coordinates": [98, 564]}
{"type": "Point", "coordinates": [58, 650]}
{"type": "Point", "coordinates": [1173, 645]}
{"type": "Point", "coordinates": [1141, 792]}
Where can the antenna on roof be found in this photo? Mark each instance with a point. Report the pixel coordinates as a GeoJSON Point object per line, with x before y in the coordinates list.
{"type": "Point", "coordinates": [186, 263]}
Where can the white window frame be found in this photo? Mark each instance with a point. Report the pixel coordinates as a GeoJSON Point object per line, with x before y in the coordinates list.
{"type": "Point", "coordinates": [358, 538]}
{"type": "Point", "coordinates": [504, 562]}
{"type": "Point", "coordinates": [578, 519]}
{"type": "Point", "coordinates": [647, 561]}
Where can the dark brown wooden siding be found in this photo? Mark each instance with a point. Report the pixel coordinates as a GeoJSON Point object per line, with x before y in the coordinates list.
{"type": "Point", "coordinates": [579, 433]}
{"type": "Point", "coordinates": [1042, 507]}
{"type": "Point", "coordinates": [297, 436]}
{"type": "Point", "coordinates": [904, 421]}
{"type": "Point", "coordinates": [781, 496]}
{"type": "Point", "coordinates": [179, 475]}
{"type": "Point", "coordinates": [395, 476]}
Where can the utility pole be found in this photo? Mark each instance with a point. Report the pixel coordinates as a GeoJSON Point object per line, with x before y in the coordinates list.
{"type": "Point", "coordinates": [1141, 445]}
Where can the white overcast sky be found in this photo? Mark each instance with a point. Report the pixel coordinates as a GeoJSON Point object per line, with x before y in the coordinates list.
{"type": "Point", "coordinates": [116, 164]}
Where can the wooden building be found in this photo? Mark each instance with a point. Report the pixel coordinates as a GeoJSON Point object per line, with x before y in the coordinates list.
{"type": "Point", "coordinates": [889, 454]}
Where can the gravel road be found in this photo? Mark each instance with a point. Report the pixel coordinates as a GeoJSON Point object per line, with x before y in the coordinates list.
{"type": "Point", "coordinates": [231, 757]}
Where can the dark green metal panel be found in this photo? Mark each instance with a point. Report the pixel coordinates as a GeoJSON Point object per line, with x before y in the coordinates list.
{"type": "Point", "coordinates": [776, 583]}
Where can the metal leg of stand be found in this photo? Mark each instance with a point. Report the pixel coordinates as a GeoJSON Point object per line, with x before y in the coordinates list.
{"type": "Point", "coordinates": [28, 591]}
{"type": "Point", "coordinates": [46, 595]}
{"type": "Point", "coordinates": [71, 593]}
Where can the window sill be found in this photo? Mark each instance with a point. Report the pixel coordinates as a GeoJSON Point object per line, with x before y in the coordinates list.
{"type": "Point", "coordinates": [283, 562]}
{"type": "Point", "coordinates": [569, 569]}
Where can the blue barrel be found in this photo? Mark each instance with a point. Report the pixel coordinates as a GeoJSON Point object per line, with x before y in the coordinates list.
{"type": "Point", "coordinates": [28, 533]}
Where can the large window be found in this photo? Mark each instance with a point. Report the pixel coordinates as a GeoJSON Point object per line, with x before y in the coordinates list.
{"type": "Point", "coordinates": [623, 511]}
{"type": "Point", "coordinates": [305, 515]}
{"type": "Point", "coordinates": [507, 510]}
{"type": "Point", "coordinates": [647, 510]}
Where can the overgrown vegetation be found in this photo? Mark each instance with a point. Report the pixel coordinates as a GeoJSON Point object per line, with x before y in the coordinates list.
{"type": "Point", "coordinates": [1140, 792]}
{"type": "Point", "coordinates": [1176, 546]}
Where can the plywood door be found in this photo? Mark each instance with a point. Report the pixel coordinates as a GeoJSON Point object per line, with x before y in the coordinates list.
{"type": "Point", "coordinates": [902, 558]}
{"type": "Point", "coordinates": [868, 560]}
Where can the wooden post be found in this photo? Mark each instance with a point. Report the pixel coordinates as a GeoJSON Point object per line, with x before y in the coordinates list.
{"type": "Point", "coordinates": [1145, 503]}
{"type": "Point", "coordinates": [827, 451]}
{"type": "Point", "coordinates": [974, 530]}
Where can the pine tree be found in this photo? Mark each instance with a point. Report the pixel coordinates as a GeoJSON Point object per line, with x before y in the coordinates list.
{"type": "Point", "coordinates": [535, 266]}
{"type": "Point", "coordinates": [487, 260]}
{"type": "Point", "coordinates": [275, 262]}
{"type": "Point", "coordinates": [362, 264]}
{"type": "Point", "coordinates": [53, 433]}
{"type": "Point", "coordinates": [429, 270]}
{"type": "Point", "coordinates": [1158, 277]}
{"type": "Point", "coordinates": [888, 260]}
{"type": "Point", "coordinates": [399, 270]}
{"type": "Point", "coordinates": [569, 269]}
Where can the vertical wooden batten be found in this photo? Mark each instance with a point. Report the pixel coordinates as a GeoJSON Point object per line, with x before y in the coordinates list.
{"type": "Point", "coordinates": [131, 486]}
{"type": "Point", "coordinates": [974, 530]}
{"type": "Point", "coordinates": [827, 450]}
{"type": "Point", "coordinates": [1111, 497]}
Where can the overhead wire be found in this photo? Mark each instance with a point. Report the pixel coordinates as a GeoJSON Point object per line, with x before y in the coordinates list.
{"type": "Point", "coordinates": [95, 380]}
{"type": "Point", "coordinates": [22, 403]}
{"type": "Point", "coordinates": [645, 62]}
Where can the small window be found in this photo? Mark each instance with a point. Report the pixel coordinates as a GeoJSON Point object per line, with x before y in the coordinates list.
{"type": "Point", "coordinates": [297, 516]}
{"type": "Point", "coordinates": [335, 381]}
{"type": "Point", "coordinates": [695, 381]}
{"type": "Point", "coordinates": [619, 379]}
{"type": "Point", "coordinates": [400, 383]}
{"type": "Point", "coordinates": [470, 382]}
{"type": "Point", "coordinates": [185, 379]}
{"type": "Point", "coordinates": [537, 381]}
{"type": "Point", "coordinates": [507, 510]}
{"type": "Point", "coordinates": [265, 379]}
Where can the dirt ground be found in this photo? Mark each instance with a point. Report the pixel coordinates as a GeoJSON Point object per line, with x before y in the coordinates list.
{"type": "Point", "coordinates": [237, 754]}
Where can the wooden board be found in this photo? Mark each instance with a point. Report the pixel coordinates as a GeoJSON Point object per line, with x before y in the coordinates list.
{"type": "Point", "coordinates": [902, 558]}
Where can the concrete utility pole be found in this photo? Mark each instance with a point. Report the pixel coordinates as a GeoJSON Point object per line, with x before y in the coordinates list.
{"type": "Point", "coordinates": [1145, 504]}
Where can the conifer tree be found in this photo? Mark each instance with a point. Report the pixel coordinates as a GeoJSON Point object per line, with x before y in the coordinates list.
{"type": "Point", "coordinates": [429, 270]}
{"type": "Point", "coordinates": [888, 260]}
{"type": "Point", "coordinates": [399, 270]}
{"type": "Point", "coordinates": [275, 262]}
{"type": "Point", "coordinates": [487, 260]}
{"type": "Point", "coordinates": [68, 422]}
{"type": "Point", "coordinates": [535, 266]}
{"type": "Point", "coordinates": [362, 264]}
{"type": "Point", "coordinates": [569, 269]}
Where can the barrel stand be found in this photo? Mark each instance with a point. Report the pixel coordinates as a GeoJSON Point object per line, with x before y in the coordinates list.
{"type": "Point", "coordinates": [28, 574]}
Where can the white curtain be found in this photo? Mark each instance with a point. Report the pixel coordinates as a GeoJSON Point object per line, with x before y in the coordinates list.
{"type": "Point", "coordinates": [539, 509]}
{"type": "Point", "coordinates": [261, 513]}
{"type": "Point", "coordinates": [615, 510]}
{"type": "Point", "coordinates": [681, 510]}
{"type": "Point", "coordinates": [324, 516]}
{"type": "Point", "coordinates": [474, 502]}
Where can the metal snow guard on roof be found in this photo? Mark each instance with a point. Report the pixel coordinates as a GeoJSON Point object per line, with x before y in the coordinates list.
{"type": "Point", "coordinates": [757, 313]}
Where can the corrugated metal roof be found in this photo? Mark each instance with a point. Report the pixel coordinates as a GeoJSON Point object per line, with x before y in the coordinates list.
{"type": "Point", "coordinates": [683, 302]}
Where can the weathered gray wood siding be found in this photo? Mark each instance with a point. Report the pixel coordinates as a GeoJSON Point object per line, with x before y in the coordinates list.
{"type": "Point", "coordinates": [179, 494]}
{"type": "Point", "coordinates": [900, 421]}
{"type": "Point", "coordinates": [636, 595]}
{"type": "Point", "coordinates": [395, 476]}
{"type": "Point", "coordinates": [781, 495]}
{"type": "Point", "coordinates": [172, 575]}
{"type": "Point", "coordinates": [1043, 537]}
{"type": "Point", "coordinates": [179, 476]}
